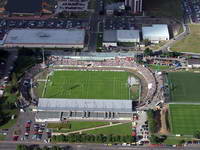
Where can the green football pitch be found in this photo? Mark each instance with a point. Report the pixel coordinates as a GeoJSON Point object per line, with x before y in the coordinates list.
{"type": "Point", "coordinates": [184, 118]}
{"type": "Point", "coordinates": [184, 86]}
{"type": "Point", "coordinates": [88, 85]}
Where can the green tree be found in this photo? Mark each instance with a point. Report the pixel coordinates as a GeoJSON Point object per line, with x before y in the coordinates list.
{"type": "Point", "coordinates": [14, 80]}
{"type": "Point", "coordinates": [154, 139]}
{"type": "Point", "coordinates": [21, 147]}
{"type": "Point", "coordinates": [197, 134]}
{"type": "Point", "coordinates": [148, 52]}
{"type": "Point", "coordinates": [151, 121]}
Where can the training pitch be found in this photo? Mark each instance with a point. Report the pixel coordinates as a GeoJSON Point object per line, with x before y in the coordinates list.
{"type": "Point", "coordinates": [184, 86]}
{"type": "Point", "coordinates": [184, 118]}
{"type": "Point", "coordinates": [88, 85]}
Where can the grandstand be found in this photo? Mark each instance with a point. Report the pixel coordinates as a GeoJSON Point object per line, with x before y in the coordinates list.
{"type": "Point", "coordinates": [62, 109]}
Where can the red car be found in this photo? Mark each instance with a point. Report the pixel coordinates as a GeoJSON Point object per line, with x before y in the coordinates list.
{"type": "Point", "coordinates": [27, 125]}
{"type": "Point", "coordinates": [15, 138]}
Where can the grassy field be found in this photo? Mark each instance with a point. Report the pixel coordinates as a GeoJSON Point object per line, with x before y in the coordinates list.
{"type": "Point", "coordinates": [163, 8]}
{"type": "Point", "coordinates": [184, 86]}
{"type": "Point", "coordinates": [2, 137]}
{"type": "Point", "coordinates": [158, 67]}
{"type": "Point", "coordinates": [124, 129]}
{"type": "Point", "coordinates": [173, 140]}
{"type": "Point", "coordinates": [76, 125]}
{"type": "Point", "coordinates": [184, 118]}
{"type": "Point", "coordinates": [88, 85]}
{"type": "Point", "coordinates": [191, 42]}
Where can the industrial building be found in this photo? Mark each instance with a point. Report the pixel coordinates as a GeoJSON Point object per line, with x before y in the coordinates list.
{"type": "Point", "coordinates": [156, 33]}
{"type": "Point", "coordinates": [72, 5]}
{"type": "Point", "coordinates": [112, 37]}
{"type": "Point", "coordinates": [114, 7]}
{"type": "Point", "coordinates": [193, 63]}
{"type": "Point", "coordinates": [135, 5]}
{"type": "Point", "coordinates": [45, 38]}
{"type": "Point", "coordinates": [55, 110]}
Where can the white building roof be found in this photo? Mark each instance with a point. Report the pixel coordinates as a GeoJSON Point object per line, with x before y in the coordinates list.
{"type": "Point", "coordinates": [45, 36]}
{"type": "Point", "coordinates": [63, 105]}
{"type": "Point", "coordinates": [128, 35]}
{"type": "Point", "coordinates": [156, 32]}
{"type": "Point", "coordinates": [121, 36]}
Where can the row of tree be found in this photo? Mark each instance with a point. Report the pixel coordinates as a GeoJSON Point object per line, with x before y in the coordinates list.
{"type": "Point", "coordinates": [152, 121]}
{"type": "Point", "coordinates": [36, 147]}
{"type": "Point", "coordinates": [86, 138]}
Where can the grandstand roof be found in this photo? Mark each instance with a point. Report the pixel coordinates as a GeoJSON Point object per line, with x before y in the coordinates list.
{"type": "Point", "coordinates": [48, 115]}
{"type": "Point", "coordinates": [93, 55]}
{"type": "Point", "coordinates": [63, 105]}
{"type": "Point", "coordinates": [45, 36]}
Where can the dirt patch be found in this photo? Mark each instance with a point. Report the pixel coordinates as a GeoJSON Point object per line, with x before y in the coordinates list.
{"type": "Point", "coordinates": [164, 127]}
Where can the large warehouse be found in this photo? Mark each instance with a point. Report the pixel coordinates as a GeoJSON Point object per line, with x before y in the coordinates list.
{"type": "Point", "coordinates": [111, 37]}
{"type": "Point", "coordinates": [46, 38]}
{"type": "Point", "coordinates": [156, 33]}
{"type": "Point", "coordinates": [54, 110]}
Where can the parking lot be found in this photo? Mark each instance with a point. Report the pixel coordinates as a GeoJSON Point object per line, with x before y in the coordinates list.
{"type": "Point", "coordinates": [26, 129]}
{"type": "Point", "coordinates": [118, 23]}
{"type": "Point", "coordinates": [192, 9]}
{"type": "Point", "coordinates": [6, 25]}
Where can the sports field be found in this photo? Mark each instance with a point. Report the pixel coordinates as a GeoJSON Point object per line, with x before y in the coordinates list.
{"type": "Point", "coordinates": [88, 85]}
{"type": "Point", "coordinates": [184, 118]}
{"type": "Point", "coordinates": [184, 86]}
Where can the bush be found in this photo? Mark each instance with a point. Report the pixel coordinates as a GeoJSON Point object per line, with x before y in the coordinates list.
{"type": "Point", "coordinates": [151, 121]}
{"type": "Point", "coordinates": [83, 138]}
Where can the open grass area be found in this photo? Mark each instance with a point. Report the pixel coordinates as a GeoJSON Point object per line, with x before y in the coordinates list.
{"type": "Point", "coordinates": [39, 89]}
{"type": "Point", "coordinates": [75, 125]}
{"type": "Point", "coordinates": [123, 129]}
{"type": "Point", "coordinates": [173, 140]}
{"type": "Point", "coordinates": [184, 86]}
{"type": "Point", "coordinates": [9, 124]}
{"type": "Point", "coordinates": [2, 137]}
{"type": "Point", "coordinates": [163, 8]}
{"type": "Point", "coordinates": [8, 121]}
{"type": "Point", "coordinates": [88, 85]}
{"type": "Point", "coordinates": [184, 118]}
{"type": "Point", "coordinates": [191, 42]}
{"type": "Point", "coordinates": [158, 67]}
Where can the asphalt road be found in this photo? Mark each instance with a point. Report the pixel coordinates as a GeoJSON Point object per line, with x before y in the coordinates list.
{"type": "Point", "coordinates": [12, 146]}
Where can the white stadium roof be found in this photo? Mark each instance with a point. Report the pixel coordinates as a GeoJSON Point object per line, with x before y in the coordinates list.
{"type": "Point", "coordinates": [45, 36]}
{"type": "Point", "coordinates": [63, 105]}
{"type": "Point", "coordinates": [156, 32]}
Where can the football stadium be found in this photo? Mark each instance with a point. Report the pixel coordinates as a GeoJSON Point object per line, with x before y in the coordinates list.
{"type": "Point", "coordinates": [107, 88]}
{"type": "Point", "coordinates": [184, 118]}
{"type": "Point", "coordinates": [184, 86]}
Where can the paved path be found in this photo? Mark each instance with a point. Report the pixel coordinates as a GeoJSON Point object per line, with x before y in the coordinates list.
{"type": "Point", "coordinates": [88, 129]}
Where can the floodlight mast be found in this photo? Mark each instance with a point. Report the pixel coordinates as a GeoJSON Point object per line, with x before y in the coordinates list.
{"type": "Point", "coordinates": [43, 59]}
